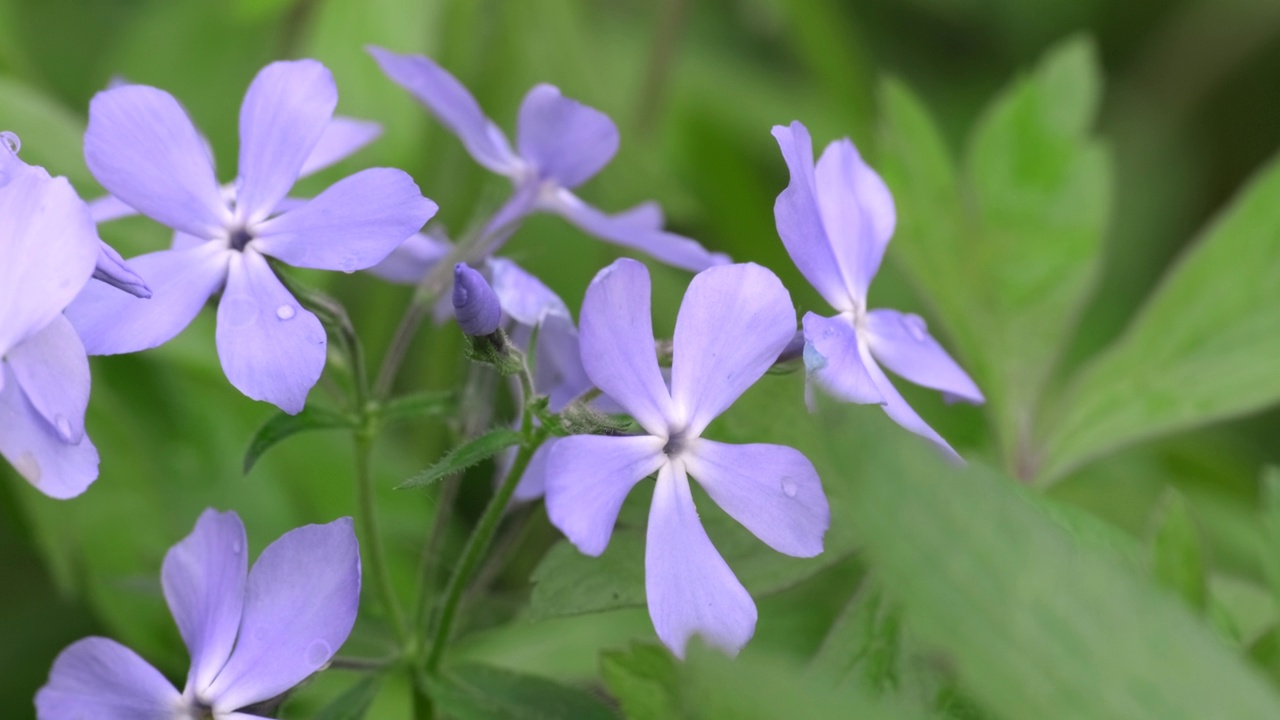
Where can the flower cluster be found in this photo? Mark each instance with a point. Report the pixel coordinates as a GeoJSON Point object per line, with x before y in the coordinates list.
{"type": "Point", "coordinates": [253, 635]}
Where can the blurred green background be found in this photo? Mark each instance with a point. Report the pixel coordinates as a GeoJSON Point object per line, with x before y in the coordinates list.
{"type": "Point", "coordinates": [1188, 112]}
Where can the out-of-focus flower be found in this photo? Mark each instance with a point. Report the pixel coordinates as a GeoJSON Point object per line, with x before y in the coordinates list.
{"type": "Point", "coordinates": [252, 634]}
{"type": "Point", "coordinates": [144, 150]}
{"type": "Point", "coordinates": [733, 323]}
{"type": "Point", "coordinates": [836, 219]}
{"type": "Point", "coordinates": [560, 144]}
{"type": "Point", "coordinates": [48, 246]}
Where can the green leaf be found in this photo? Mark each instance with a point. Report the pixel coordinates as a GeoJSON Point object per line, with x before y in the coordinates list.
{"type": "Point", "coordinates": [1270, 549]}
{"type": "Point", "coordinates": [864, 645]}
{"type": "Point", "coordinates": [645, 680]}
{"type": "Point", "coordinates": [418, 405]}
{"type": "Point", "coordinates": [482, 692]}
{"type": "Point", "coordinates": [354, 703]}
{"type": "Point", "coordinates": [52, 135]}
{"type": "Point", "coordinates": [470, 453]}
{"type": "Point", "coordinates": [284, 425]}
{"type": "Point", "coordinates": [1006, 252]}
{"type": "Point", "coordinates": [1177, 559]}
{"type": "Point", "coordinates": [1196, 353]}
{"type": "Point", "coordinates": [1035, 622]}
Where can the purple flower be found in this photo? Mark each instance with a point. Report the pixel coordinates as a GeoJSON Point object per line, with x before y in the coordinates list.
{"type": "Point", "coordinates": [48, 247]}
{"type": "Point", "coordinates": [252, 634]}
{"type": "Point", "coordinates": [144, 150]}
{"type": "Point", "coordinates": [835, 219]}
{"type": "Point", "coordinates": [411, 260]}
{"type": "Point", "coordinates": [733, 323]}
{"type": "Point", "coordinates": [474, 302]}
{"type": "Point", "coordinates": [560, 144]}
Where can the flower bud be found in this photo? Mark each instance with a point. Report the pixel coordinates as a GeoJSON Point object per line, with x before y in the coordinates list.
{"type": "Point", "coordinates": [474, 302]}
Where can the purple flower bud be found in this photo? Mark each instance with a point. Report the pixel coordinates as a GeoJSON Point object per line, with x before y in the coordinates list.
{"type": "Point", "coordinates": [474, 302]}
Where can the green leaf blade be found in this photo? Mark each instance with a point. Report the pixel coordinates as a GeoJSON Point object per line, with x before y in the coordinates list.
{"type": "Point", "coordinates": [283, 426]}
{"type": "Point", "coordinates": [470, 453]}
{"type": "Point", "coordinates": [483, 692]}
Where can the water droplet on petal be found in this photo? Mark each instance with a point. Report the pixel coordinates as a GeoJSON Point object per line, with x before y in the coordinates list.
{"type": "Point", "coordinates": [318, 653]}
{"type": "Point", "coordinates": [64, 427]}
{"type": "Point", "coordinates": [348, 265]}
{"type": "Point", "coordinates": [237, 547]}
{"type": "Point", "coordinates": [788, 487]}
{"type": "Point", "coordinates": [916, 326]}
{"type": "Point", "coordinates": [11, 141]}
{"type": "Point", "coordinates": [285, 312]}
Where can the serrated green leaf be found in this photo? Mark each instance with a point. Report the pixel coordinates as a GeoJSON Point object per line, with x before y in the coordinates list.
{"type": "Point", "coordinates": [418, 405]}
{"type": "Point", "coordinates": [482, 692]}
{"type": "Point", "coordinates": [354, 703]}
{"type": "Point", "coordinates": [1196, 353]}
{"type": "Point", "coordinates": [1006, 251]}
{"type": "Point", "coordinates": [1036, 623]}
{"type": "Point", "coordinates": [1177, 558]}
{"type": "Point", "coordinates": [283, 425]}
{"type": "Point", "coordinates": [470, 453]}
{"type": "Point", "coordinates": [645, 681]}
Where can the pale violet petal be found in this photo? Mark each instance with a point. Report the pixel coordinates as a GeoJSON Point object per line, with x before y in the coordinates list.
{"type": "Point", "coordinates": [689, 587]}
{"type": "Point", "coordinates": [588, 477]}
{"type": "Point", "coordinates": [53, 371]}
{"type": "Point", "coordinates": [563, 139]}
{"type": "Point", "coordinates": [112, 270]}
{"type": "Point", "coordinates": [341, 138]}
{"type": "Point", "coordinates": [533, 483]}
{"type": "Point", "coordinates": [901, 342]}
{"type": "Point", "coordinates": [857, 212]}
{"type": "Point", "coordinates": [57, 469]}
{"type": "Point", "coordinates": [896, 407]}
{"type": "Point", "coordinates": [108, 208]}
{"type": "Point", "coordinates": [832, 359]}
{"type": "Point", "coordinates": [101, 679]}
{"type": "Point", "coordinates": [524, 298]}
{"type": "Point", "coordinates": [559, 372]}
{"type": "Point", "coordinates": [272, 349]}
{"type": "Point", "coordinates": [413, 258]}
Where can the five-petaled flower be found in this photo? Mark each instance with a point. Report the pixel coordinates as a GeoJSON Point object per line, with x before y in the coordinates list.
{"type": "Point", "coordinates": [144, 150]}
{"type": "Point", "coordinates": [836, 219]}
{"type": "Point", "coordinates": [733, 323]}
{"type": "Point", "coordinates": [560, 144]}
{"type": "Point", "coordinates": [48, 247]}
{"type": "Point", "coordinates": [252, 634]}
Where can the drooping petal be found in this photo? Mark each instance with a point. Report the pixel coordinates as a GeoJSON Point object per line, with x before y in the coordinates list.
{"type": "Point", "coordinates": [352, 225]}
{"type": "Point", "coordinates": [690, 589]}
{"type": "Point", "coordinates": [341, 138]}
{"type": "Point", "coordinates": [48, 247]}
{"type": "Point", "coordinates": [733, 323]}
{"type": "Point", "coordinates": [104, 680]}
{"type": "Point", "coordinates": [413, 258]}
{"type": "Point", "coordinates": [203, 578]}
{"type": "Point", "coordinates": [857, 212]}
{"type": "Point", "coordinates": [108, 208]}
{"type": "Point", "coordinates": [896, 407]}
{"type": "Point", "coordinates": [112, 270]}
{"type": "Point", "coordinates": [299, 606]}
{"type": "Point", "coordinates": [588, 477]}
{"type": "Point", "coordinates": [453, 105]}
{"type": "Point", "coordinates": [272, 349]}
{"type": "Point", "coordinates": [524, 298]}
{"type": "Point", "coordinates": [773, 490]}
{"type": "Point", "coordinates": [617, 344]}
{"type": "Point", "coordinates": [111, 322]}
{"type": "Point", "coordinates": [57, 469]}
{"type": "Point", "coordinates": [53, 370]}
{"type": "Point", "coordinates": [901, 342]}
{"type": "Point", "coordinates": [533, 483]}
{"type": "Point", "coordinates": [833, 360]}
{"type": "Point", "coordinates": [287, 109]}
{"type": "Point", "coordinates": [635, 231]}
{"type": "Point", "coordinates": [563, 139]}
{"type": "Point", "coordinates": [799, 220]}
{"type": "Point", "coordinates": [142, 147]}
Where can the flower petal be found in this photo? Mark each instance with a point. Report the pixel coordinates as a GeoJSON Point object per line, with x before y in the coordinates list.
{"type": "Point", "coordinates": [633, 229]}
{"type": "Point", "coordinates": [857, 212]}
{"type": "Point", "coordinates": [533, 483]}
{"type": "Point", "coordinates": [104, 680]}
{"type": "Point", "coordinates": [562, 138]}
{"type": "Point", "coordinates": [287, 109]}
{"type": "Point", "coordinates": [901, 342]}
{"type": "Point", "coordinates": [773, 490]}
{"type": "Point", "coordinates": [508, 218]}
{"type": "Point", "coordinates": [832, 358]}
{"type": "Point", "coordinates": [48, 247]}
{"type": "Point", "coordinates": [111, 322]}
{"type": "Point", "coordinates": [450, 102]}
{"type": "Point", "coordinates": [341, 138]}
{"type": "Point", "coordinates": [617, 344]}
{"type": "Point", "coordinates": [299, 606]}
{"type": "Point", "coordinates": [57, 469]}
{"type": "Point", "coordinates": [413, 258]}
{"type": "Point", "coordinates": [53, 370]}
{"type": "Point", "coordinates": [691, 590]}
{"type": "Point", "coordinates": [588, 477]}
{"type": "Point", "coordinates": [733, 323]}
{"type": "Point", "coordinates": [272, 349]}
{"type": "Point", "coordinates": [108, 208]}
{"type": "Point", "coordinates": [799, 220]}
{"type": "Point", "coordinates": [112, 270]}
{"type": "Point", "coordinates": [352, 225]}
{"type": "Point", "coordinates": [142, 147]}
{"type": "Point", "coordinates": [896, 407]}
{"type": "Point", "coordinates": [524, 298]}
{"type": "Point", "coordinates": [203, 578]}
{"type": "Point", "coordinates": [559, 372]}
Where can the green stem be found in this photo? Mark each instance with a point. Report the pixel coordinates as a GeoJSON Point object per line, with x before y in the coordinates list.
{"type": "Point", "coordinates": [375, 552]}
